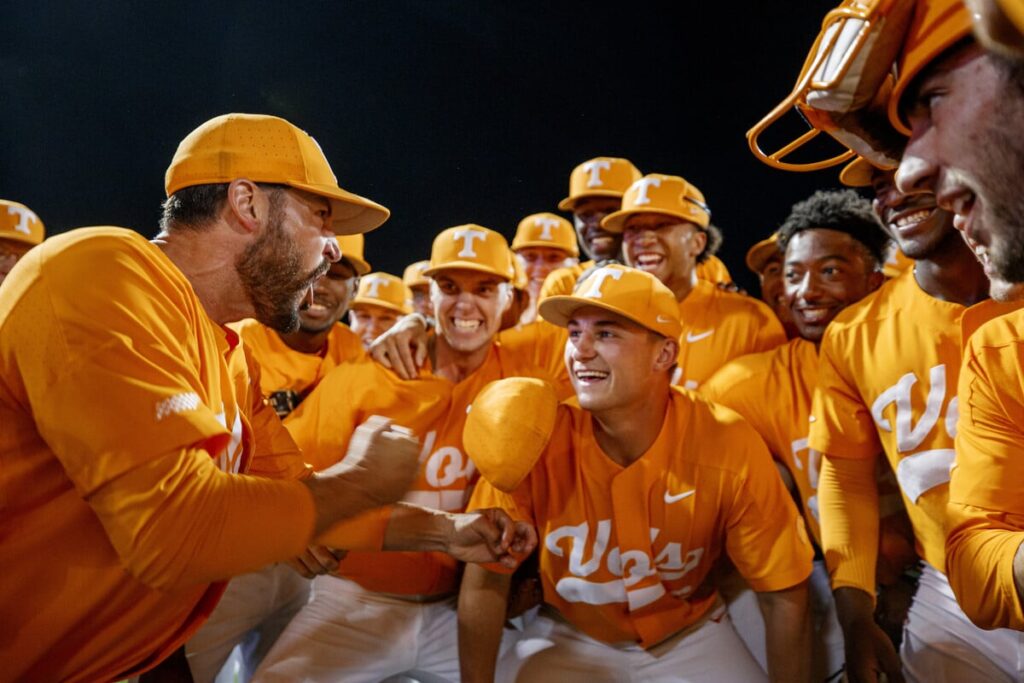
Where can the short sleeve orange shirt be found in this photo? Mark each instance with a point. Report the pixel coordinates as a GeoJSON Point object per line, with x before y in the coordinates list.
{"type": "Point", "coordinates": [109, 365]}
{"type": "Point", "coordinates": [887, 381]}
{"type": "Point", "coordinates": [435, 410]}
{"type": "Point", "coordinates": [625, 553]}
{"type": "Point", "coordinates": [719, 326]}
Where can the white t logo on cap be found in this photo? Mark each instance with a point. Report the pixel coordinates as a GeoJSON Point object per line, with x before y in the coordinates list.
{"type": "Point", "coordinates": [467, 236]}
{"type": "Point", "coordinates": [373, 286]}
{"type": "Point", "coordinates": [25, 216]}
{"type": "Point", "coordinates": [546, 225]}
{"type": "Point", "coordinates": [641, 192]}
{"type": "Point", "coordinates": [596, 281]}
{"type": "Point", "coordinates": [594, 168]}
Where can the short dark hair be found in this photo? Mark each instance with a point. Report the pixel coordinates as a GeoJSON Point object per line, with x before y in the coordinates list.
{"type": "Point", "coordinates": [195, 207]}
{"type": "Point", "coordinates": [840, 210]}
{"type": "Point", "coordinates": [714, 242]}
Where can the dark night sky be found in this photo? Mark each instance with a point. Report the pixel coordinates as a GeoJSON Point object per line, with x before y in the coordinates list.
{"type": "Point", "coordinates": [446, 112]}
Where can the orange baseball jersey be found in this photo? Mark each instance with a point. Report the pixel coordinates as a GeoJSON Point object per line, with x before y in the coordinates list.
{"type": "Point", "coordinates": [283, 368]}
{"type": "Point", "coordinates": [772, 391]}
{"type": "Point", "coordinates": [719, 326]}
{"type": "Point", "coordinates": [435, 410]}
{"type": "Point", "coordinates": [887, 382]}
{"type": "Point", "coordinates": [713, 271]}
{"type": "Point", "coordinates": [543, 345]}
{"type": "Point", "coordinates": [625, 553]}
{"type": "Point", "coordinates": [986, 505]}
{"type": "Point", "coordinates": [127, 416]}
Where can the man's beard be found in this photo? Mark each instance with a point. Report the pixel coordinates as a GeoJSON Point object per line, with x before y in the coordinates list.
{"type": "Point", "coordinates": [270, 272]}
{"type": "Point", "coordinates": [1003, 205]}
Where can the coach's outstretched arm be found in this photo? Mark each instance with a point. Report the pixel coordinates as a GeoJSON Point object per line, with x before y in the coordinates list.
{"type": "Point", "coordinates": [483, 601]}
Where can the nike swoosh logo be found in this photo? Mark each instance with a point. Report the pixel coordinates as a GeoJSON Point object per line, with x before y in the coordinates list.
{"type": "Point", "coordinates": [669, 498]}
{"type": "Point", "coordinates": [691, 337]}
{"type": "Point", "coordinates": [664, 319]}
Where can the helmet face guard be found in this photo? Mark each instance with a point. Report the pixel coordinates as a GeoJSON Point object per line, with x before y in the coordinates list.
{"type": "Point", "coordinates": [844, 86]}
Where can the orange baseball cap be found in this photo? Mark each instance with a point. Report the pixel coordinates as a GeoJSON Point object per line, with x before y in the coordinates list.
{"type": "Point", "coordinates": [936, 26]}
{"type": "Point", "coordinates": [508, 427]}
{"type": "Point", "coordinates": [472, 247]}
{"type": "Point", "coordinates": [758, 255]}
{"type": "Point", "coordinates": [631, 293]}
{"type": "Point", "coordinates": [669, 195]}
{"type": "Point", "coordinates": [546, 230]}
{"type": "Point", "coordinates": [413, 275]}
{"type": "Point", "coordinates": [18, 223]}
{"type": "Point", "coordinates": [599, 177]}
{"type": "Point", "coordinates": [352, 250]}
{"type": "Point", "coordinates": [857, 173]}
{"type": "Point", "coordinates": [268, 149]}
{"type": "Point", "coordinates": [384, 290]}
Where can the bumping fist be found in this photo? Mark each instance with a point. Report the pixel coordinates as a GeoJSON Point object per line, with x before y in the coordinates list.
{"type": "Point", "coordinates": [388, 454]}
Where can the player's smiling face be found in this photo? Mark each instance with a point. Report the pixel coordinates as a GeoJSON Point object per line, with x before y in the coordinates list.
{"type": "Point", "coordinates": [598, 243]}
{"type": "Point", "coordinates": [664, 246]}
{"type": "Point", "coordinates": [369, 322]}
{"type": "Point", "coordinates": [467, 306]}
{"type": "Point", "coordinates": [538, 262]}
{"type": "Point", "coordinates": [825, 271]}
{"type": "Point", "coordinates": [915, 220]}
{"type": "Point", "coordinates": [611, 359]}
{"type": "Point", "coordinates": [331, 296]}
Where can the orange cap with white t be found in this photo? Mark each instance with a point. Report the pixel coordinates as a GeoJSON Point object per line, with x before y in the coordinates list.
{"type": "Point", "coordinates": [19, 223]}
{"type": "Point", "coordinates": [669, 195]}
{"type": "Point", "coordinates": [599, 177]}
{"type": "Point", "coordinates": [546, 230]}
{"type": "Point", "coordinates": [352, 247]}
{"type": "Point", "coordinates": [413, 275]}
{"type": "Point", "coordinates": [631, 293]}
{"type": "Point", "coordinates": [471, 247]}
{"type": "Point", "coordinates": [384, 290]}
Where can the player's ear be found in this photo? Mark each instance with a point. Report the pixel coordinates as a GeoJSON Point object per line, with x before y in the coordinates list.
{"type": "Point", "coordinates": [875, 280]}
{"type": "Point", "coordinates": [698, 241]}
{"type": "Point", "coordinates": [668, 352]}
{"type": "Point", "coordinates": [245, 204]}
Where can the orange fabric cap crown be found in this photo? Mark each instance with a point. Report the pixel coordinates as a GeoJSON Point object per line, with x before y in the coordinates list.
{"type": "Point", "coordinates": [267, 149]}
{"type": "Point", "coordinates": [384, 290]}
{"type": "Point", "coordinates": [472, 247]}
{"type": "Point", "coordinates": [631, 293]}
{"type": "Point", "coordinates": [599, 177]}
{"type": "Point", "coordinates": [508, 427]}
{"type": "Point", "coordinates": [20, 223]}
{"type": "Point", "coordinates": [665, 194]}
{"type": "Point", "coordinates": [352, 250]}
{"type": "Point", "coordinates": [758, 255]}
{"type": "Point", "coordinates": [413, 275]}
{"type": "Point", "coordinates": [857, 173]}
{"type": "Point", "coordinates": [936, 26]}
{"type": "Point", "coordinates": [546, 230]}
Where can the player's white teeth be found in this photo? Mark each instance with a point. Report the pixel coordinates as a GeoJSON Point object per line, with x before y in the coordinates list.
{"type": "Point", "coordinates": [912, 218]}
{"type": "Point", "coordinates": [814, 315]}
{"type": "Point", "coordinates": [591, 374]}
{"type": "Point", "coordinates": [467, 325]}
{"type": "Point", "coordinates": [648, 260]}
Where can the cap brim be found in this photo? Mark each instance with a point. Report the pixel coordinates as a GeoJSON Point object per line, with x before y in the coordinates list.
{"type": "Point", "coordinates": [467, 265]}
{"type": "Point", "coordinates": [350, 213]}
{"type": "Point", "coordinates": [857, 173]}
{"type": "Point", "coordinates": [361, 267]}
{"type": "Point", "coordinates": [558, 310]}
{"type": "Point", "coordinates": [758, 255]}
{"type": "Point", "coordinates": [20, 238]}
{"type": "Point", "coordinates": [614, 222]}
{"type": "Point", "coordinates": [569, 203]}
{"type": "Point", "coordinates": [367, 301]}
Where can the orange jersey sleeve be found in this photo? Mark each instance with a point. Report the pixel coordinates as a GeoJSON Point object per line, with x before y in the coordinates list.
{"type": "Point", "coordinates": [625, 553]}
{"type": "Point", "coordinates": [787, 375]}
{"type": "Point", "coordinates": [542, 345]}
{"type": "Point", "coordinates": [713, 271]}
{"type": "Point", "coordinates": [986, 508]}
{"type": "Point", "coordinates": [887, 384]}
{"type": "Point", "coordinates": [125, 438]}
{"type": "Point", "coordinates": [719, 326]}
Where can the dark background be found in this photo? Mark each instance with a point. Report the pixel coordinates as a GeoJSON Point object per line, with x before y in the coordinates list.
{"type": "Point", "coordinates": [446, 112]}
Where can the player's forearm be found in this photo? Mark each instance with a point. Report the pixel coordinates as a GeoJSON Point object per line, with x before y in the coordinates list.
{"type": "Point", "coordinates": [848, 503]}
{"type": "Point", "coordinates": [483, 599]}
{"type": "Point", "coordinates": [179, 521]}
{"type": "Point", "coordinates": [787, 620]}
{"type": "Point", "coordinates": [345, 494]}
{"type": "Point", "coordinates": [415, 528]}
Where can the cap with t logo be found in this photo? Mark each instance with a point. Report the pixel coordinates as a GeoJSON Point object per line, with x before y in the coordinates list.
{"type": "Point", "coordinates": [600, 177]}
{"type": "Point", "coordinates": [471, 247]}
{"type": "Point", "coordinates": [546, 230]}
{"type": "Point", "coordinates": [20, 223]}
{"type": "Point", "coordinates": [384, 290]}
{"type": "Point", "coordinates": [668, 195]}
{"type": "Point", "coordinates": [631, 293]}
